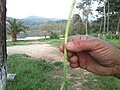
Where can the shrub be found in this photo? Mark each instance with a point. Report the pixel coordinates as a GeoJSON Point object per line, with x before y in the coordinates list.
{"type": "Point", "coordinates": [54, 35]}
{"type": "Point", "coordinates": [113, 36]}
{"type": "Point", "coordinates": [110, 36]}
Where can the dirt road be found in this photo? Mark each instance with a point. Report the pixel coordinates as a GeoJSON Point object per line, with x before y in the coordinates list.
{"type": "Point", "coordinates": [42, 51]}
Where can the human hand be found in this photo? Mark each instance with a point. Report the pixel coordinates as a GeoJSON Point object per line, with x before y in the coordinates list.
{"type": "Point", "coordinates": [93, 54]}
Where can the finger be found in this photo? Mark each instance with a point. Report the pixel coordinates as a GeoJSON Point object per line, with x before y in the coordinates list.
{"type": "Point", "coordinates": [61, 48]}
{"type": "Point", "coordinates": [70, 54]}
{"type": "Point", "coordinates": [74, 38]}
{"type": "Point", "coordinates": [71, 38]}
{"type": "Point", "coordinates": [73, 59]}
{"type": "Point", "coordinates": [79, 38]}
{"type": "Point", "coordinates": [82, 59]}
{"type": "Point", "coordinates": [74, 65]}
{"type": "Point", "coordinates": [84, 45]}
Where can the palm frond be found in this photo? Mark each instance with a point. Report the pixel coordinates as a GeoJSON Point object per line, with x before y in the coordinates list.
{"type": "Point", "coordinates": [14, 27]}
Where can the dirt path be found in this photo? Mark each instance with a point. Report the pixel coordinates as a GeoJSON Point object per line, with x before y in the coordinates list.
{"type": "Point", "coordinates": [42, 51]}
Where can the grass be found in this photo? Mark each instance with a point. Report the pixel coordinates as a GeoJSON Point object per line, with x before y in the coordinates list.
{"type": "Point", "coordinates": [95, 82]}
{"type": "Point", "coordinates": [115, 42]}
{"type": "Point", "coordinates": [55, 42]}
{"type": "Point", "coordinates": [19, 42]}
{"type": "Point", "coordinates": [32, 74]}
{"type": "Point", "coordinates": [58, 64]}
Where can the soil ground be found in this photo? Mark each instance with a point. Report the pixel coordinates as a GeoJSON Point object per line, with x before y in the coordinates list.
{"type": "Point", "coordinates": [38, 50]}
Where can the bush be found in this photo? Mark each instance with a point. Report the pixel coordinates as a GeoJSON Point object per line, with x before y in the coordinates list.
{"type": "Point", "coordinates": [116, 36]}
{"type": "Point", "coordinates": [94, 34]}
{"type": "Point", "coordinates": [54, 35]}
{"type": "Point", "coordinates": [109, 36]}
{"type": "Point", "coordinates": [113, 36]}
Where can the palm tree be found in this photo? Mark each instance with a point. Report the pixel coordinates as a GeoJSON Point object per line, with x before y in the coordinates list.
{"type": "Point", "coordinates": [14, 27]}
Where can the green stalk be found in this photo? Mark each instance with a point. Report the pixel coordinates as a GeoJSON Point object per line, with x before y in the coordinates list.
{"type": "Point", "coordinates": [65, 42]}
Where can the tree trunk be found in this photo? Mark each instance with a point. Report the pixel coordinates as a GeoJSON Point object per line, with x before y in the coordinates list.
{"type": "Point", "coordinates": [14, 38]}
{"type": "Point", "coordinates": [108, 18]}
{"type": "Point", "coordinates": [104, 29]}
{"type": "Point", "coordinates": [118, 25]}
{"type": "Point", "coordinates": [101, 23]}
{"type": "Point", "coordinates": [86, 28]}
{"type": "Point", "coordinates": [3, 54]}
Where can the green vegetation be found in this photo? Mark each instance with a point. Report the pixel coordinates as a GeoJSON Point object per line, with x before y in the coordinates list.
{"type": "Point", "coordinates": [33, 74]}
{"type": "Point", "coordinates": [20, 42]}
{"type": "Point", "coordinates": [95, 82]}
{"type": "Point", "coordinates": [55, 42]}
{"type": "Point", "coordinates": [58, 64]}
{"type": "Point", "coordinates": [115, 42]}
{"type": "Point", "coordinates": [54, 35]}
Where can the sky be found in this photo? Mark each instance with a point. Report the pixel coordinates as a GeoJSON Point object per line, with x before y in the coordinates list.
{"type": "Point", "coordinates": [45, 8]}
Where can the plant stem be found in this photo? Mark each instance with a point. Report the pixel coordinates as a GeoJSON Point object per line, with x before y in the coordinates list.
{"type": "Point", "coordinates": [65, 42]}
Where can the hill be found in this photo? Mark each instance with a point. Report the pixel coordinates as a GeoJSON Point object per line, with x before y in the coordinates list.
{"type": "Point", "coordinates": [41, 18]}
{"type": "Point", "coordinates": [36, 20]}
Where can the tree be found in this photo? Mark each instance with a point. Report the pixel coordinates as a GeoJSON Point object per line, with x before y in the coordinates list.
{"type": "Point", "coordinates": [14, 27]}
{"type": "Point", "coordinates": [108, 17]}
{"type": "Point", "coordinates": [77, 26]}
{"type": "Point", "coordinates": [47, 27]}
{"type": "Point", "coordinates": [85, 7]}
{"type": "Point", "coordinates": [44, 29]}
{"type": "Point", "coordinates": [3, 53]}
{"type": "Point", "coordinates": [112, 11]}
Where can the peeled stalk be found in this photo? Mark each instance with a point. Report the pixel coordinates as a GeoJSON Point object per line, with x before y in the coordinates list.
{"type": "Point", "coordinates": [65, 42]}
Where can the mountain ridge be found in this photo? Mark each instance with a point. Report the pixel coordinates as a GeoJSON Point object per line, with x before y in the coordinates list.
{"type": "Point", "coordinates": [40, 18]}
{"type": "Point", "coordinates": [35, 20]}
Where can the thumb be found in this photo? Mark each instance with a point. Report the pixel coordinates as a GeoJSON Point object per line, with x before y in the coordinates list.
{"type": "Point", "coordinates": [77, 46]}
